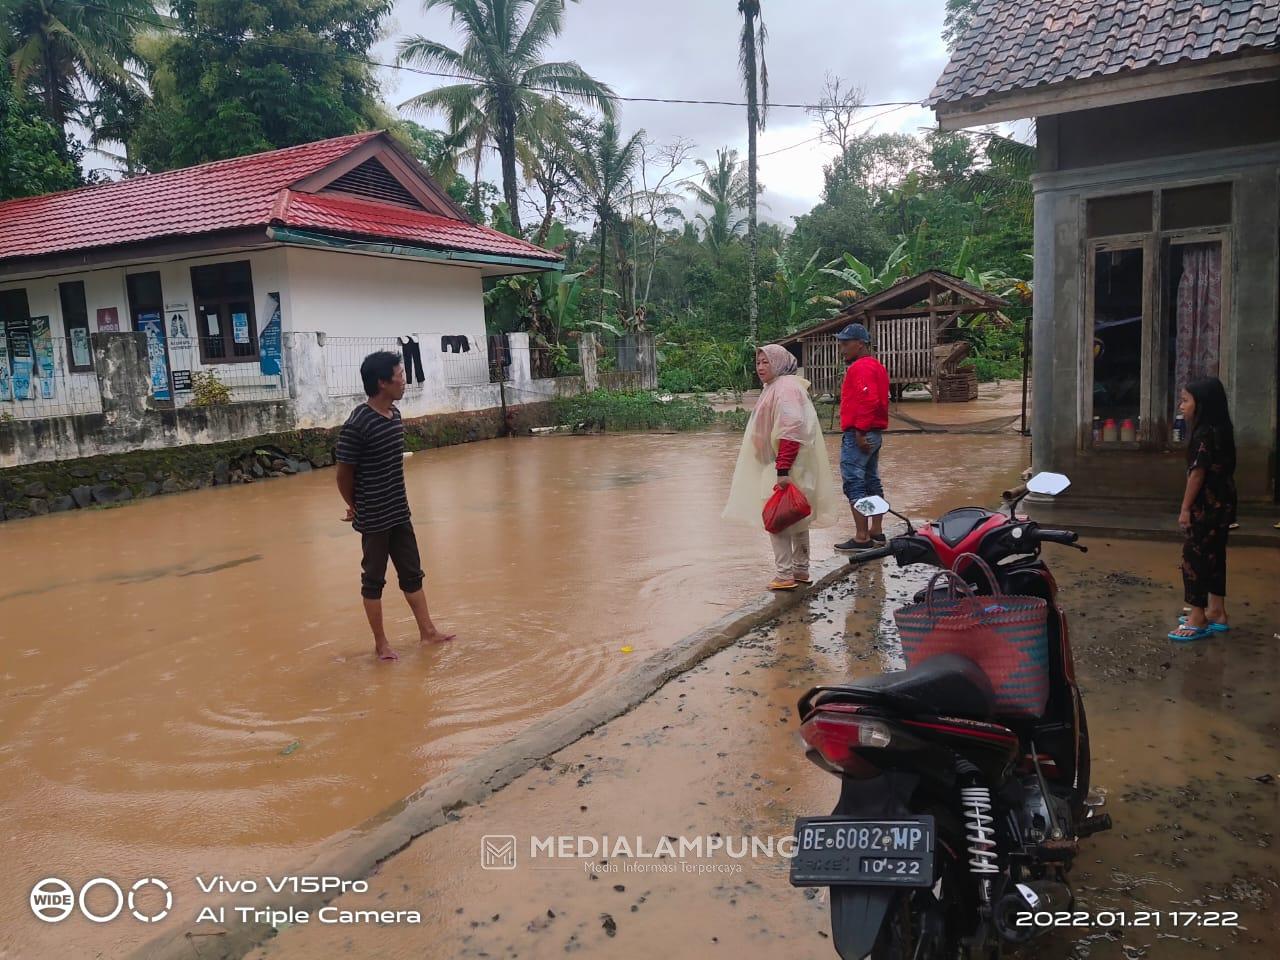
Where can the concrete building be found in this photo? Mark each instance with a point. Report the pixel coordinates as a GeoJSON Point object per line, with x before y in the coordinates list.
{"type": "Point", "coordinates": [1157, 222]}
{"type": "Point", "coordinates": [222, 265]}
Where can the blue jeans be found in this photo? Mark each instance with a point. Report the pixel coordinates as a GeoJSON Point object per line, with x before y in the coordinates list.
{"type": "Point", "coordinates": [860, 471]}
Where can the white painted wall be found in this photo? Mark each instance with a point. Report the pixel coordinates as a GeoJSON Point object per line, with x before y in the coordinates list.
{"type": "Point", "coordinates": [353, 295]}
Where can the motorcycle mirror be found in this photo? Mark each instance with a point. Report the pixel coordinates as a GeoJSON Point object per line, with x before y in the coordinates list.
{"type": "Point", "coordinates": [1048, 484]}
{"type": "Point", "coordinates": [872, 506]}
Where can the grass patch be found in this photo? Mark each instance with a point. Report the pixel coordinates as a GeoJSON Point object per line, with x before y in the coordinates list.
{"type": "Point", "coordinates": [638, 410]}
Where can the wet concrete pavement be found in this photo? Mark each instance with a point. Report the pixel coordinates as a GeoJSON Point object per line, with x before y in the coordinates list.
{"type": "Point", "coordinates": [188, 688]}
{"type": "Point", "coordinates": [1181, 735]}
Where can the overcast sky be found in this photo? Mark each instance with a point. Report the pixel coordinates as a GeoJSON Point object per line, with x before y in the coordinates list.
{"type": "Point", "coordinates": [689, 49]}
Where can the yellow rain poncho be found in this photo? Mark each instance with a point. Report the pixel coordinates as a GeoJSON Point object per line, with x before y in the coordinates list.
{"type": "Point", "coordinates": [783, 412]}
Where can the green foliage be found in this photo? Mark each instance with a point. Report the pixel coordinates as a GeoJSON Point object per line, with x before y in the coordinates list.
{"type": "Point", "coordinates": [208, 390]}
{"type": "Point", "coordinates": [243, 76]}
{"type": "Point", "coordinates": [504, 43]}
{"type": "Point", "coordinates": [36, 158]}
{"type": "Point", "coordinates": [634, 411]}
{"type": "Point", "coordinates": [691, 362]}
{"type": "Point", "coordinates": [56, 48]}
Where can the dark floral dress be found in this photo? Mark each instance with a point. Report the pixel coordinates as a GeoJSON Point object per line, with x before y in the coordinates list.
{"type": "Point", "coordinates": [1204, 554]}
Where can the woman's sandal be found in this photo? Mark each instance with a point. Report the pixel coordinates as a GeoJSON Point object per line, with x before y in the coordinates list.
{"type": "Point", "coordinates": [1214, 625]}
{"type": "Point", "coordinates": [1196, 633]}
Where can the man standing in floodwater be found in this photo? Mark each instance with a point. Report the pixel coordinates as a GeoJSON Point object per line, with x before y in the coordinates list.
{"type": "Point", "coordinates": [371, 480]}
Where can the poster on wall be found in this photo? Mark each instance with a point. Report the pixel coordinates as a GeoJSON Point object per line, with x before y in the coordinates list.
{"type": "Point", "coordinates": [152, 324]}
{"type": "Point", "coordinates": [240, 327]}
{"type": "Point", "coordinates": [21, 358]}
{"type": "Point", "coordinates": [179, 330]}
{"type": "Point", "coordinates": [6, 392]}
{"type": "Point", "coordinates": [108, 319]}
{"type": "Point", "coordinates": [269, 346]}
{"type": "Point", "coordinates": [45, 371]}
{"type": "Point", "coordinates": [81, 352]}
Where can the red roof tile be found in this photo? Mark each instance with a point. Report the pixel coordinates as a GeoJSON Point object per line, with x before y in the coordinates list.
{"type": "Point", "coordinates": [367, 218]}
{"type": "Point", "coordinates": [228, 195]}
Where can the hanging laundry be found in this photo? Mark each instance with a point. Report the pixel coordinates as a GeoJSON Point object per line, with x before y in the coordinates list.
{"type": "Point", "coordinates": [455, 344]}
{"type": "Point", "coordinates": [412, 358]}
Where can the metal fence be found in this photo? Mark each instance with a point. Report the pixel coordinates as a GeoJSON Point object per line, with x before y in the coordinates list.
{"type": "Point", "coordinates": [48, 377]}
{"type": "Point", "coordinates": [342, 359]}
{"type": "Point", "coordinates": [204, 372]}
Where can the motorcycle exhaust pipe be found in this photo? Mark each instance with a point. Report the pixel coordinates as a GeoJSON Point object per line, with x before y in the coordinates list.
{"type": "Point", "coordinates": [1013, 911]}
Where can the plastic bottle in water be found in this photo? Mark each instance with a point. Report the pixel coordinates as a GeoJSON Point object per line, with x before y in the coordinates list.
{"type": "Point", "coordinates": [1179, 428]}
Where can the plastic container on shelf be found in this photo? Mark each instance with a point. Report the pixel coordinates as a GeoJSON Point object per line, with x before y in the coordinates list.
{"type": "Point", "coordinates": [1110, 432]}
{"type": "Point", "coordinates": [1128, 432]}
{"type": "Point", "coordinates": [1179, 428]}
{"type": "Point", "coordinates": [1097, 429]}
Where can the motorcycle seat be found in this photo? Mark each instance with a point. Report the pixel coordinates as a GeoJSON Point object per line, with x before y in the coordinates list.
{"type": "Point", "coordinates": [945, 684]}
{"type": "Point", "coordinates": [958, 524]}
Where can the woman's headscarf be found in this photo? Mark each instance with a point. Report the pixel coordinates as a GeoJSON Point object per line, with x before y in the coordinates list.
{"type": "Point", "coordinates": [780, 412]}
{"type": "Point", "coordinates": [781, 360]}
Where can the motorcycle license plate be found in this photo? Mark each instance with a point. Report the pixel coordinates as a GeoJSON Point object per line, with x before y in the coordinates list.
{"type": "Point", "coordinates": [844, 850]}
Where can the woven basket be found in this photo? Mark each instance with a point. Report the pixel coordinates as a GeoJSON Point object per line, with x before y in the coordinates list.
{"type": "Point", "coordinates": [1006, 635]}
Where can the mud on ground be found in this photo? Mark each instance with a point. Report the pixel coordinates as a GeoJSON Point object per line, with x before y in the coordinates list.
{"type": "Point", "coordinates": [1185, 743]}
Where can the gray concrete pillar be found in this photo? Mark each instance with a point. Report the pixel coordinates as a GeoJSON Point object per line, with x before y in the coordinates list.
{"type": "Point", "coordinates": [124, 374]}
{"type": "Point", "coordinates": [587, 347]}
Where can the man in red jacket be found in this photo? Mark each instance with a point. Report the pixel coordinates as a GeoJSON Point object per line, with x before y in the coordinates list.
{"type": "Point", "coordinates": [864, 412]}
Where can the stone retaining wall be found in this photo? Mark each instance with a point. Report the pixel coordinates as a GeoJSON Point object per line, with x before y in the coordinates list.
{"type": "Point", "coordinates": [54, 487]}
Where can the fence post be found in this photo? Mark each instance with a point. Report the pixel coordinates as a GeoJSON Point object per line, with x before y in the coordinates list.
{"type": "Point", "coordinates": [587, 354]}
{"type": "Point", "coordinates": [123, 368]}
{"type": "Point", "coordinates": [647, 360]}
{"type": "Point", "coordinates": [307, 376]}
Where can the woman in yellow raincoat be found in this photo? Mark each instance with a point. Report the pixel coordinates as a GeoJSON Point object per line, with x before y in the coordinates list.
{"type": "Point", "coordinates": [783, 444]}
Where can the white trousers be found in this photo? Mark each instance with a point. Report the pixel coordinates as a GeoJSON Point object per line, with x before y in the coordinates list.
{"type": "Point", "coordinates": [791, 553]}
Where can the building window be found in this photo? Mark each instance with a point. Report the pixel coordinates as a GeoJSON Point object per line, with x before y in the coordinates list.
{"type": "Point", "coordinates": [225, 320]}
{"type": "Point", "coordinates": [1118, 304]}
{"type": "Point", "coordinates": [75, 325]}
{"type": "Point", "coordinates": [1156, 311]}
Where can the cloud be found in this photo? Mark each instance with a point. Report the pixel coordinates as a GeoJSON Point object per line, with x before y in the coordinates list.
{"type": "Point", "coordinates": [689, 49]}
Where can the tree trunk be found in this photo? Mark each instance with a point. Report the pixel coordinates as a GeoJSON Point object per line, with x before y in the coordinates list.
{"type": "Point", "coordinates": [52, 106]}
{"type": "Point", "coordinates": [753, 125]}
{"type": "Point", "coordinates": [603, 231]}
{"type": "Point", "coordinates": [507, 150]}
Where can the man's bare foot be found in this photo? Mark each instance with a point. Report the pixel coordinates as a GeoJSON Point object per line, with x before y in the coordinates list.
{"type": "Point", "coordinates": [436, 636]}
{"type": "Point", "coordinates": [386, 653]}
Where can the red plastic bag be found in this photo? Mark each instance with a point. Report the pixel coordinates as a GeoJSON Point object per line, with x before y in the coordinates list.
{"type": "Point", "coordinates": [787, 506]}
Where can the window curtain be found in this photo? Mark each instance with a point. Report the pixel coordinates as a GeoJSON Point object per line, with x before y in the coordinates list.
{"type": "Point", "coordinates": [1199, 314]}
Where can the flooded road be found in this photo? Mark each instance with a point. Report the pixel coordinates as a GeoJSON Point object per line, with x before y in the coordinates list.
{"type": "Point", "coordinates": [1184, 738]}
{"type": "Point", "coordinates": [188, 686]}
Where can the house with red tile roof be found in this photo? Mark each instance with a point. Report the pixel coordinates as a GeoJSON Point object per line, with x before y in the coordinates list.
{"type": "Point", "coordinates": [349, 238]}
{"type": "Point", "coordinates": [1157, 224]}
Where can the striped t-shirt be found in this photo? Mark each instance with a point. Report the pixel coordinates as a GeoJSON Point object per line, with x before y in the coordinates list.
{"type": "Point", "coordinates": [374, 445]}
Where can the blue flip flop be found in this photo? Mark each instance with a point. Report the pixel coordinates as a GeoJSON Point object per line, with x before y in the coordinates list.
{"type": "Point", "coordinates": [1198, 633]}
{"type": "Point", "coordinates": [1213, 625]}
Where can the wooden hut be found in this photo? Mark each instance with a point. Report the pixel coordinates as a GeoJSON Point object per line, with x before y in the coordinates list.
{"type": "Point", "coordinates": [912, 326]}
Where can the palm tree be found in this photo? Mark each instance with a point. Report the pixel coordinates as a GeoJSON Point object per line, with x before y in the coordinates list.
{"type": "Point", "coordinates": [54, 45]}
{"type": "Point", "coordinates": [725, 189]}
{"type": "Point", "coordinates": [605, 176]}
{"type": "Point", "coordinates": [503, 53]}
{"type": "Point", "coordinates": [757, 83]}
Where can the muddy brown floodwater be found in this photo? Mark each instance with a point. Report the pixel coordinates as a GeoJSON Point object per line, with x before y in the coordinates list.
{"type": "Point", "coordinates": [188, 688]}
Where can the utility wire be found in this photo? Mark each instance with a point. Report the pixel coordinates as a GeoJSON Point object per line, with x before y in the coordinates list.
{"type": "Point", "coordinates": [342, 55]}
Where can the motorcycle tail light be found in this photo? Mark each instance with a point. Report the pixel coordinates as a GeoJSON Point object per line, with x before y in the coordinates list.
{"type": "Point", "coordinates": [838, 737]}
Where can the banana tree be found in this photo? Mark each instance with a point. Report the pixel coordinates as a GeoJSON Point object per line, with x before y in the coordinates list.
{"type": "Point", "coordinates": [797, 290]}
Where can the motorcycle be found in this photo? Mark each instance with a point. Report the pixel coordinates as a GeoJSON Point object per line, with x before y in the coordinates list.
{"type": "Point", "coordinates": [956, 827]}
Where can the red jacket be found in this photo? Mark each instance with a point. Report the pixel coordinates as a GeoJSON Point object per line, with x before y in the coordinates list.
{"type": "Point", "coordinates": [864, 397]}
